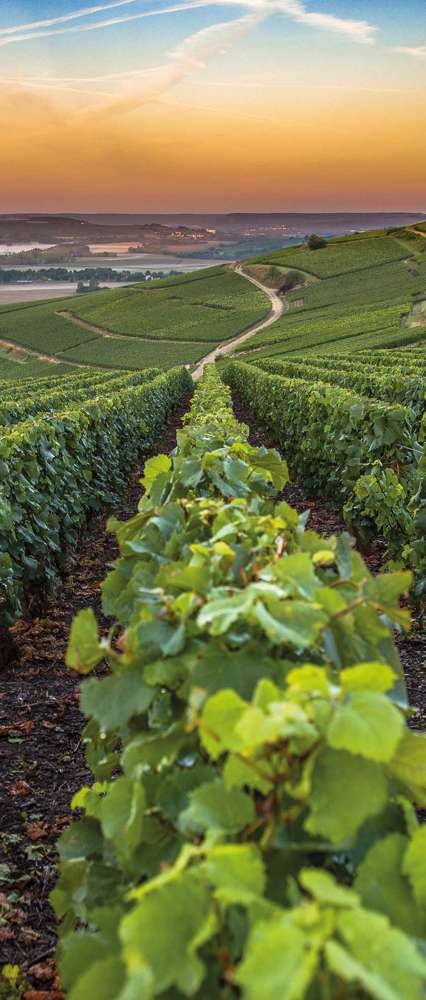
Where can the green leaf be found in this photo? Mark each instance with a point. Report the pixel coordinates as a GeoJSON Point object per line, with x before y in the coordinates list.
{"type": "Point", "coordinates": [371, 676]}
{"type": "Point", "coordinates": [238, 774]}
{"type": "Point", "coordinates": [326, 890]}
{"type": "Point", "coordinates": [414, 865]}
{"type": "Point", "coordinates": [272, 462]}
{"type": "Point", "coordinates": [104, 978]}
{"type": "Point", "coordinates": [112, 701]}
{"type": "Point", "coordinates": [163, 930]}
{"type": "Point", "coordinates": [219, 614]}
{"type": "Point", "coordinates": [81, 840]}
{"type": "Point", "coordinates": [153, 468]}
{"type": "Point", "coordinates": [309, 678]}
{"type": "Point", "coordinates": [214, 807]}
{"type": "Point", "coordinates": [237, 872]}
{"type": "Point", "coordinates": [297, 576]}
{"type": "Point", "coordinates": [293, 623]}
{"type": "Point", "coordinates": [217, 731]}
{"type": "Point", "coordinates": [366, 723]}
{"type": "Point", "coordinates": [277, 963]}
{"type": "Point", "coordinates": [408, 766]}
{"type": "Point", "coordinates": [342, 963]}
{"type": "Point", "coordinates": [383, 887]}
{"type": "Point", "coordinates": [84, 650]}
{"type": "Point", "coordinates": [122, 815]}
{"type": "Point", "coordinates": [392, 966]}
{"type": "Point", "coordinates": [346, 790]}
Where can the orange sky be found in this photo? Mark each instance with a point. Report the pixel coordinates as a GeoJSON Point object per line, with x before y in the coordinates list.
{"type": "Point", "coordinates": [219, 136]}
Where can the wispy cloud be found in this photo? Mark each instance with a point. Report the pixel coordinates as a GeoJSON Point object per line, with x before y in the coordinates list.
{"type": "Point", "coordinates": [418, 52]}
{"type": "Point", "coordinates": [48, 22]}
{"type": "Point", "coordinates": [14, 39]}
{"type": "Point", "coordinates": [266, 83]}
{"type": "Point", "coordinates": [135, 88]}
{"type": "Point", "coordinates": [191, 54]}
{"type": "Point", "coordinates": [357, 31]}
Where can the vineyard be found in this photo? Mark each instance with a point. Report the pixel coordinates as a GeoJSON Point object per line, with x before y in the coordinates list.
{"type": "Point", "coordinates": [169, 323]}
{"type": "Point", "coordinates": [239, 812]}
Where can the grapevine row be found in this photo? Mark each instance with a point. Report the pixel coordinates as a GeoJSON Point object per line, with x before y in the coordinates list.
{"type": "Point", "coordinates": [61, 466]}
{"type": "Point", "coordinates": [250, 830]}
{"type": "Point", "coordinates": [368, 453]}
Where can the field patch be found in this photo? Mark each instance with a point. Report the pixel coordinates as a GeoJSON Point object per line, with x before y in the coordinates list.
{"type": "Point", "coordinates": [210, 310]}
{"type": "Point", "coordinates": [340, 258]}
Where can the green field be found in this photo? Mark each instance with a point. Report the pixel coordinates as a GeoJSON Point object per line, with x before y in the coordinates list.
{"type": "Point", "coordinates": [28, 367]}
{"type": "Point", "coordinates": [334, 326]}
{"type": "Point", "coordinates": [174, 321]}
{"type": "Point", "coordinates": [368, 292]}
{"type": "Point", "coordinates": [213, 309]}
{"type": "Point", "coordinates": [41, 329]}
{"type": "Point", "coordinates": [364, 291]}
{"type": "Point", "coordinates": [341, 257]}
{"type": "Point", "coordinates": [134, 353]}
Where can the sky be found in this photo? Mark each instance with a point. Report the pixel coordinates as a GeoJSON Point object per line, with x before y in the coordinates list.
{"type": "Point", "coordinates": [212, 105]}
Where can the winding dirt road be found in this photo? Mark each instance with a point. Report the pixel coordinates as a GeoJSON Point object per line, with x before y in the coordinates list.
{"type": "Point", "coordinates": [277, 308]}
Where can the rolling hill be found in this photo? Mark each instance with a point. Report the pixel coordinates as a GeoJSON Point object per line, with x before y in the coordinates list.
{"type": "Point", "coordinates": [365, 291]}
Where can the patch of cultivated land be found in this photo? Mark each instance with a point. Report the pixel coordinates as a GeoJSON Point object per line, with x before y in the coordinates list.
{"type": "Point", "coordinates": [170, 322]}
{"type": "Point", "coordinates": [367, 293]}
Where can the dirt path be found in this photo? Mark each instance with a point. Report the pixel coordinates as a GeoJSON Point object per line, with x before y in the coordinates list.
{"type": "Point", "coordinates": [418, 232]}
{"type": "Point", "coordinates": [278, 306]}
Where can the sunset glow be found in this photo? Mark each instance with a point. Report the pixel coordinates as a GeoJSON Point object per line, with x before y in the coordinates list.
{"type": "Point", "coordinates": [269, 105]}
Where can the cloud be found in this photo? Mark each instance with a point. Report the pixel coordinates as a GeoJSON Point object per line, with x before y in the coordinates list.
{"type": "Point", "coordinates": [109, 23]}
{"type": "Point", "coordinates": [415, 53]}
{"type": "Point", "coordinates": [190, 55]}
{"type": "Point", "coordinates": [259, 81]}
{"type": "Point", "coordinates": [142, 86]}
{"type": "Point", "coordinates": [357, 31]}
{"type": "Point", "coordinates": [48, 22]}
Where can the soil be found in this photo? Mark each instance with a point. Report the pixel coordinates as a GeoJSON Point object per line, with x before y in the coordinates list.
{"type": "Point", "coordinates": [42, 754]}
{"type": "Point", "coordinates": [327, 520]}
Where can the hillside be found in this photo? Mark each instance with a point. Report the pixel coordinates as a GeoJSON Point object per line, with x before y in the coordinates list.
{"type": "Point", "coordinates": [358, 292]}
{"type": "Point", "coordinates": [174, 321]}
{"type": "Point", "coordinates": [355, 293]}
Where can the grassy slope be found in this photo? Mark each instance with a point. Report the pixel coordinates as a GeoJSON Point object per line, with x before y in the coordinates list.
{"type": "Point", "coordinates": [211, 309]}
{"type": "Point", "coordinates": [181, 317]}
{"type": "Point", "coordinates": [29, 367]}
{"type": "Point", "coordinates": [359, 293]}
{"type": "Point", "coordinates": [362, 300]}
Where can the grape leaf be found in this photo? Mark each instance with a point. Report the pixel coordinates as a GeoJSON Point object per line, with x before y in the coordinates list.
{"type": "Point", "coordinates": [366, 723]}
{"type": "Point", "coordinates": [346, 790]}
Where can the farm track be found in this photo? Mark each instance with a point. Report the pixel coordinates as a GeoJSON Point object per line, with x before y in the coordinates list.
{"type": "Point", "coordinates": [418, 232]}
{"type": "Point", "coordinates": [41, 747]}
{"type": "Point", "coordinates": [278, 306]}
